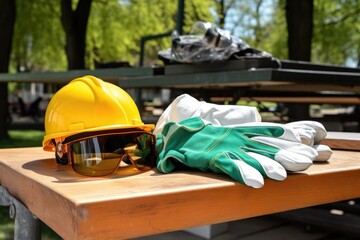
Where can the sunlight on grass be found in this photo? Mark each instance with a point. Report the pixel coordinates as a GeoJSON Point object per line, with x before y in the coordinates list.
{"type": "Point", "coordinates": [23, 138]}
{"type": "Point", "coordinates": [6, 224]}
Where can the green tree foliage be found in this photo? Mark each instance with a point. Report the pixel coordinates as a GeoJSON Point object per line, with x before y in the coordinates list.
{"type": "Point", "coordinates": [74, 20]}
{"type": "Point", "coordinates": [261, 23]}
{"type": "Point", "coordinates": [336, 31]}
{"type": "Point", "coordinates": [336, 36]}
{"type": "Point", "coordinates": [275, 41]}
{"type": "Point", "coordinates": [197, 10]}
{"type": "Point", "coordinates": [39, 40]}
{"type": "Point", "coordinates": [113, 33]}
{"type": "Point", "coordinates": [116, 26]}
{"type": "Point", "coordinates": [249, 20]}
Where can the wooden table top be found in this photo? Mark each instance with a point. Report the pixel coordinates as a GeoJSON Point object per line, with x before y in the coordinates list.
{"type": "Point", "coordinates": [138, 204]}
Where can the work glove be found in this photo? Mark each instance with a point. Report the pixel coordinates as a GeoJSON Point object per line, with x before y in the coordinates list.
{"type": "Point", "coordinates": [246, 153]}
{"type": "Point", "coordinates": [186, 106]}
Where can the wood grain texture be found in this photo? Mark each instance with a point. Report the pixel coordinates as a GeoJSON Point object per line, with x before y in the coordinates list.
{"type": "Point", "coordinates": [138, 204]}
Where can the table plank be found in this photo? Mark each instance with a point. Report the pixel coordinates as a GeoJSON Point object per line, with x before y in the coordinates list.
{"type": "Point", "coordinates": [307, 99]}
{"type": "Point", "coordinates": [248, 78]}
{"type": "Point", "coordinates": [110, 74]}
{"type": "Point", "coordinates": [342, 140]}
{"type": "Point", "coordinates": [140, 204]}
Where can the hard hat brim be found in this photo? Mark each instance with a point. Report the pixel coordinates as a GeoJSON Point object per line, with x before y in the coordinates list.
{"type": "Point", "coordinates": [49, 146]}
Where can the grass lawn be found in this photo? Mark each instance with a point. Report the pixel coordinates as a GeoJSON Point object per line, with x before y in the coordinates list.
{"type": "Point", "coordinates": [21, 138]}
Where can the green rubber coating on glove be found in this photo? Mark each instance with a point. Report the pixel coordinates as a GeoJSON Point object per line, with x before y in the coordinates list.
{"type": "Point", "coordinates": [196, 144]}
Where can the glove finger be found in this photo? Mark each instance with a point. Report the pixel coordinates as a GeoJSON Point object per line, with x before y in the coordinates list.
{"type": "Point", "coordinates": [291, 147]}
{"type": "Point", "coordinates": [267, 129]}
{"type": "Point", "coordinates": [307, 135]}
{"type": "Point", "coordinates": [272, 169]}
{"type": "Point", "coordinates": [238, 170]}
{"type": "Point", "coordinates": [324, 152]}
{"type": "Point", "coordinates": [318, 127]}
{"type": "Point", "coordinates": [293, 161]}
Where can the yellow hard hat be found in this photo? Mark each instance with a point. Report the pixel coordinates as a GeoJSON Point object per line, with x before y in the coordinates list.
{"type": "Point", "coordinates": [88, 104]}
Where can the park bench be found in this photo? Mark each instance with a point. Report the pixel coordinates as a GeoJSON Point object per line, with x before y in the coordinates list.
{"type": "Point", "coordinates": [150, 202]}
{"type": "Point", "coordinates": [110, 74]}
{"type": "Point", "coordinates": [295, 85]}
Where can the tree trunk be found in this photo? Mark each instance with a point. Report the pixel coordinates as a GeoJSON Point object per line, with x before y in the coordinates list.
{"type": "Point", "coordinates": [75, 24]}
{"type": "Point", "coordinates": [7, 22]}
{"type": "Point", "coordinates": [299, 18]}
{"type": "Point", "coordinates": [221, 13]}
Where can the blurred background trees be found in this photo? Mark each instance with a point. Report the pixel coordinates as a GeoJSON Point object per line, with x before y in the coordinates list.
{"type": "Point", "coordinates": [114, 28]}
{"type": "Point", "coordinates": [57, 35]}
{"type": "Point", "coordinates": [7, 20]}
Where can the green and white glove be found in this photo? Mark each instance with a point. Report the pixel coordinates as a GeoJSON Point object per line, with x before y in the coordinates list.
{"type": "Point", "coordinates": [186, 106]}
{"type": "Point", "coordinates": [247, 153]}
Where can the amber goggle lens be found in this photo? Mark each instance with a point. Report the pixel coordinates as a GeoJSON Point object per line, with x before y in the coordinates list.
{"type": "Point", "coordinates": [103, 155]}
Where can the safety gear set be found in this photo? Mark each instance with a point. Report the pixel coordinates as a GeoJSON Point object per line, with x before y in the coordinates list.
{"type": "Point", "coordinates": [185, 106]}
{"type": "Point", "coordinates": [208, 43]}
{"type": "Point", "coordinates": [88, 104]}
{"type": "Point", "coordinates": [246, 153]}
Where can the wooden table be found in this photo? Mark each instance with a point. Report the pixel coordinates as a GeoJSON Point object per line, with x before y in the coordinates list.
{"type": "Point", "coordinates": [140, 204]}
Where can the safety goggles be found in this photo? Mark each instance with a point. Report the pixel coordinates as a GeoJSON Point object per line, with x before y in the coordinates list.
{"type": "Point", "coordinates": [104, 153]}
